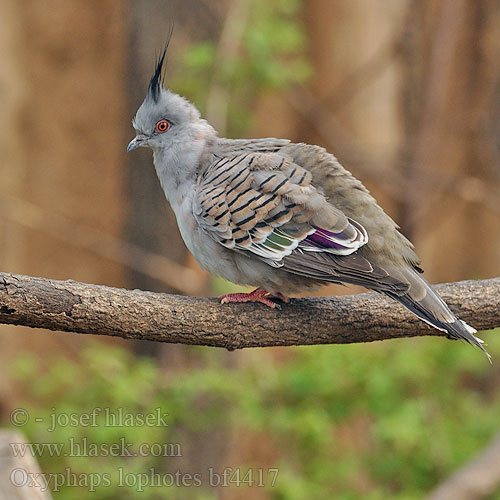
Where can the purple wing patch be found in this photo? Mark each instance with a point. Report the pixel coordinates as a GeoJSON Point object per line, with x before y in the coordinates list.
{"type": "Point", "coordinates": [322, 238]}
{"type": "Point", "coordinates": [345, 242]}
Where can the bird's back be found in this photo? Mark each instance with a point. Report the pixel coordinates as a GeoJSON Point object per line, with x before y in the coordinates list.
{"type": "Point", "coordinates": [387, 250]}
{"type": "Point", "coordinates": [342, 190]}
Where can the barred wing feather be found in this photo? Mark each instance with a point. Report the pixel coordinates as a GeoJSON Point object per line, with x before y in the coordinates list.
{"type": "Point", "coordinates": [265, 204]}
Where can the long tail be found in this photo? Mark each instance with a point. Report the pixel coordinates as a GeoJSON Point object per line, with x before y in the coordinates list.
{"type": "Point", "coordinates": [421, 300]}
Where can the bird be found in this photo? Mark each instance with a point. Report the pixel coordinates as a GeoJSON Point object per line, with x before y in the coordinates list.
{"type": "Point", "coordinates": [282, 217]}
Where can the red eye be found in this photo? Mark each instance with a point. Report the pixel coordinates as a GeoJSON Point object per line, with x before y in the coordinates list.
{"type": "Point", "coordinates": [162, 126]}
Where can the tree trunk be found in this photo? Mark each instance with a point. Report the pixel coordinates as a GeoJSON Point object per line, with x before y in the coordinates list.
{"type": "Point", "coordinates": [62, 141]}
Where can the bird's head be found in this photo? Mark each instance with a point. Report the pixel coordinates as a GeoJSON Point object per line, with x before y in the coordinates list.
{"type": "Point", "coordinates": [165, 119]}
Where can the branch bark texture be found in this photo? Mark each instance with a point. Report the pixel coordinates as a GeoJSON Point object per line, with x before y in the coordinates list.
{"type": "Point", "coordinates": [79, 307]}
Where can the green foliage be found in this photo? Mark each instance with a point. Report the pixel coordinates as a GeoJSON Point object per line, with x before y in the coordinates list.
{"type": "Point", "coordinates": [220, 286]}
{"type": "Point", "coordinates": [271, 55]}
{"type": "Point", "coordinates": [374, 421]}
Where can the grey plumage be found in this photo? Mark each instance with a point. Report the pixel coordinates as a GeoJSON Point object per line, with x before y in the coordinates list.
{"type": "Point", "coordinates": [280, 216]}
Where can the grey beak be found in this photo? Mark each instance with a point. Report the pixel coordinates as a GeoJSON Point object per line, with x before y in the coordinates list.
{"type": "Point", "coordinates": [136, 142]}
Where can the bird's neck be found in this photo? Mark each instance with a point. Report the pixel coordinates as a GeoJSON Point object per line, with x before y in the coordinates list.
{"type": "Point", "coordinates": [177, 171]}
{"type": "Point", "coordinates": [178, 166]}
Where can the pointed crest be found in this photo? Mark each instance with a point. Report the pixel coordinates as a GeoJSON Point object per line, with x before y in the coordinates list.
{"type": "Point", "coordinates": [156, 81]}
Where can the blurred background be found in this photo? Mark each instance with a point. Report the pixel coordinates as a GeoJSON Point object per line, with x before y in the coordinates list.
{"type": "Point", "coordinates": [406, 93]}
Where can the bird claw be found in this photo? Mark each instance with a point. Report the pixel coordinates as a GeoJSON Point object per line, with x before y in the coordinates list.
{"type": "Point", "coordinates": [258, 295]}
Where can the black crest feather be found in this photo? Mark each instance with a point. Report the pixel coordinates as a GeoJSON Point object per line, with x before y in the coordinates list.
{"type": "Point", "coordinates": [157, 79]}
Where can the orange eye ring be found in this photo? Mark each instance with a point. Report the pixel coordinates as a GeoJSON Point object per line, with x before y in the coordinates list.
{"type": "Point", "coordinates": [162, 126]}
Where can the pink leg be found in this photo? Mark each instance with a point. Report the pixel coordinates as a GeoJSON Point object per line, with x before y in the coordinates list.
{"type": "Point", "coordinates": [258, 295]}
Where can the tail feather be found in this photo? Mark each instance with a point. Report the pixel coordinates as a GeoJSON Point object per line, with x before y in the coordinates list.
{"type": "Point", "coordinates": [421, 300]}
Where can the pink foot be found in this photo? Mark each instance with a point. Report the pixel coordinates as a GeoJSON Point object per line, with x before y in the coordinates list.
{"type": "Point", "coordinates": [258, 295]}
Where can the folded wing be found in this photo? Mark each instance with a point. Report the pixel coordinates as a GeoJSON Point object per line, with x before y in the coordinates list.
{"type": "Point", "coordinates": [264, 205]}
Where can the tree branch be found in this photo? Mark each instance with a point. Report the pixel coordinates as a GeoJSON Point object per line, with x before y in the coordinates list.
{"type": "Point", "coordinates": [477, 479]}
{"type": "Point", "coordinates": [99, 310]}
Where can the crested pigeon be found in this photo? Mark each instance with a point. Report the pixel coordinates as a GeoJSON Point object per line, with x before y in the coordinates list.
{"type": "Point", "coordinates": [280, 216]}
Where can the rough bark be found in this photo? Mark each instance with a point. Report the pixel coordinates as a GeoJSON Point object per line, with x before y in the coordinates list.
{"type": "Point", "coordinates": [92, 309]}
